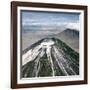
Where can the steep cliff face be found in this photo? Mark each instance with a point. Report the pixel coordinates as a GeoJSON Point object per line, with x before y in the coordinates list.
{"type": "Point", "coordinates": [49, 57]}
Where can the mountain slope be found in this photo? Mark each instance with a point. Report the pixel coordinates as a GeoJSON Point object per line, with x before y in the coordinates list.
{"type": "Point", "coordinates": [49, 57]}
{"type": "Point", "coordinates": [70, 37]}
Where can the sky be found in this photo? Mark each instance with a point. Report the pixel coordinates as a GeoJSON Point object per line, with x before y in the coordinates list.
{"type": "Point", "coordinates": [50, 20]}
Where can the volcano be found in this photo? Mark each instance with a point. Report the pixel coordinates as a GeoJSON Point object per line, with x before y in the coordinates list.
{"type": "Point", "coordinates": [49, 57]}
{"type": "Point", "coordinates": [70, 37]}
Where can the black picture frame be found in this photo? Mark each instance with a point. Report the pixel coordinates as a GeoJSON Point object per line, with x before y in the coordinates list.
{"type": "Point", "coordinates": [14, 5]}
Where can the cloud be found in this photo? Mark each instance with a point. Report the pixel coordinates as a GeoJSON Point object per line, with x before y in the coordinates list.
{"type": "Point", "coordinates": [75, 26]}
{"type": "Point", "coordinates": [54, 26]}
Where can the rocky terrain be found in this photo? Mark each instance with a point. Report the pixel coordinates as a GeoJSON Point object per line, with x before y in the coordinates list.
{"type": "Point", "coordinates": [49, 57]}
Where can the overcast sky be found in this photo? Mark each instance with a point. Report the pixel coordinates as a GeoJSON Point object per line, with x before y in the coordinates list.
{"type": "Point", "coordinates": [62, 19]}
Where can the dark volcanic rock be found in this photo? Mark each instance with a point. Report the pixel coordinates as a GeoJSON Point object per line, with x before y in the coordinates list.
{"type": "Point", "coordinates": [50, 57]}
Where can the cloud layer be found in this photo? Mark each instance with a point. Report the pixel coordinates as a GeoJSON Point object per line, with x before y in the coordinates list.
{"type": "Point", "coordinates": [49, 22]}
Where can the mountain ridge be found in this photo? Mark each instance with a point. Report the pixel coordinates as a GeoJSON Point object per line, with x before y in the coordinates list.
{"type": "Point", "coordinates": [70, 37]}
{"type": "Point", "coordinates": [50, 57]}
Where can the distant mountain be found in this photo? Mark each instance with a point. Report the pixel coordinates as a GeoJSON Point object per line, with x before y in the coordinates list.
{"type": "Point", "coordinates": [70, 37]}
{"type": "Point", "coordinates": [49, 57]}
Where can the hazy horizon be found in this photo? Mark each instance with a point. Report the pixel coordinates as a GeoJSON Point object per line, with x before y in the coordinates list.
{"type": "Point", "coordinates": [39, 24]}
